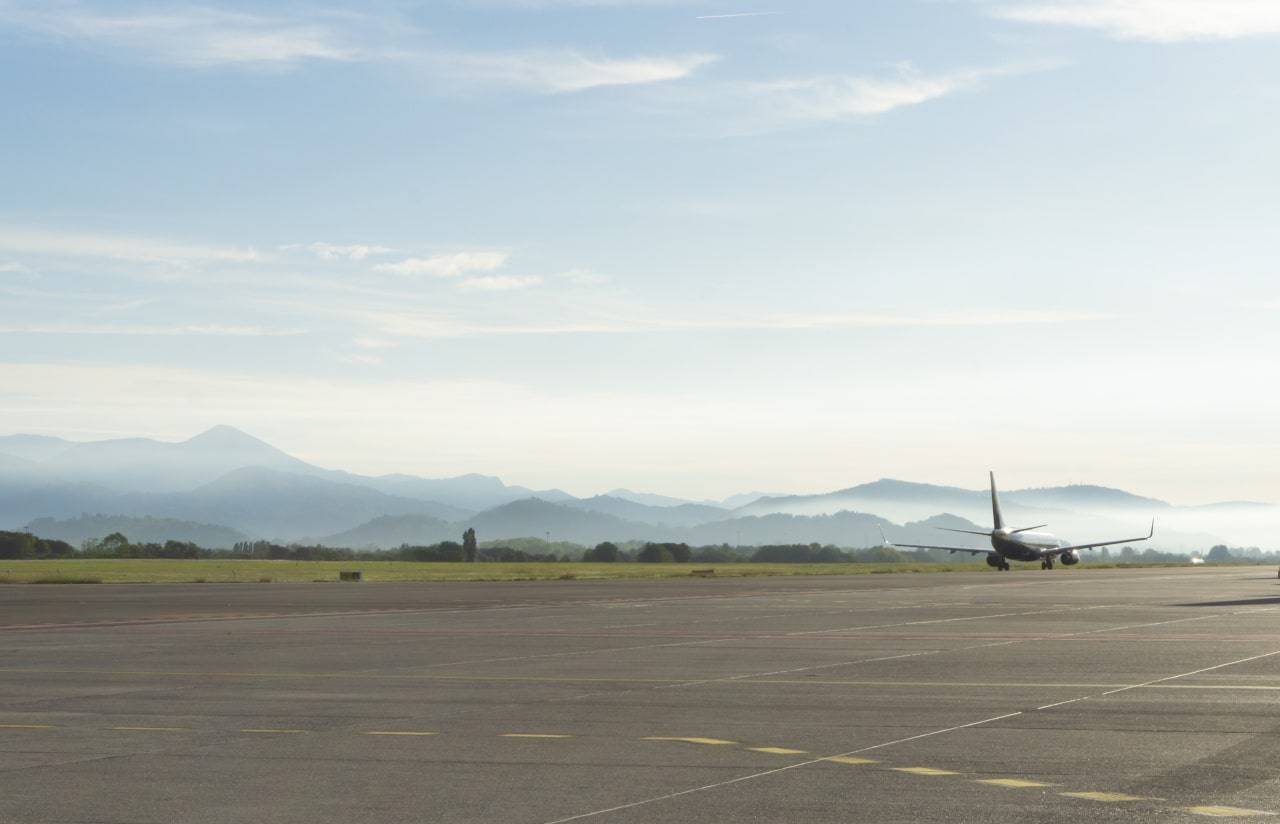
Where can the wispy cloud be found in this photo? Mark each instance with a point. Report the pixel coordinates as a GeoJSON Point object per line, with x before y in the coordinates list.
{"type": "Point", "coordinates": [835, 97]}
{"type": "Point", "coordinates": [733, 15]}
{"type": "Point", "coordinates": [498, 283]}
{"type": "Point", "coordinates": [446, 266]}
{"type": "Point", "coordinates": [556, 72]}
{"type": "Point", "coordinates": [133, 249]}
{"type": "Point", "coordinates": [194, 35]}
{"type": "Point", "coordinates": [200, 329]}
{"type": "Point", "coordinates": [14, 268]}
{"type": "Point", "coordinates": [333, 251]}
{"type": "Point", "coordinates": [361, 360]}
{"type": "Point", "coordinates": [409, 324]}
{"type": "Point", "coordinates": [373, 343]}
{"type": "Point", "coordinates": [206, 36]}
{"type": "Point", "coordinates": [584, 277]}
{"type": "Point", "coordinates": [1163, 21]}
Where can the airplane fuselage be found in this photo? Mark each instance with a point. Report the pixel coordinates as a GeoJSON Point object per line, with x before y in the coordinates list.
{"type": "Point", "coordinates": [1024, 546]}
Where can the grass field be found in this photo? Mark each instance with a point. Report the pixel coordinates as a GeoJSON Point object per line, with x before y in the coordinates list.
{"type": "Point", "coordinates": [115, 571]}
{"type": "Point", "coordinates": [142, 571]}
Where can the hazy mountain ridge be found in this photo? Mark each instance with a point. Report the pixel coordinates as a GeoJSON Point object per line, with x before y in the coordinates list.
{"type": "Point", "coordinates": [685, 514]}
{"type": "Point", "coordinates": [275, 496]}
{"type": "Point", "coordinates": [139, 530]}
{"type": "Point", "coordinates": [150, 466]}
{"type": "Point", "coordinates": [560, 522]}
{"type": "Point", "coordinates": [389, 531]}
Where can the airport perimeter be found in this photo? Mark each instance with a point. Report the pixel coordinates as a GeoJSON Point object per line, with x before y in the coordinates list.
{"type": "Point", "coordinates": [1111, 695]}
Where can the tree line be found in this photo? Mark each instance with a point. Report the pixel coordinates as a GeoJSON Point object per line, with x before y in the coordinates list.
{"type": "Point", "coordinates": [23, 545]}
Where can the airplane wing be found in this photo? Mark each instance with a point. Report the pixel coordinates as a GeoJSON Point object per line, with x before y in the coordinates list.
{"type": "Point", "coordinates": [969, 550]}
{"type": "Point", "coordinates": [1095, 545]}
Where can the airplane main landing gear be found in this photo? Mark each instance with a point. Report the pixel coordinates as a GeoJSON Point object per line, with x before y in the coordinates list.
{"type": "Point", "coordinates": [1047, 563]}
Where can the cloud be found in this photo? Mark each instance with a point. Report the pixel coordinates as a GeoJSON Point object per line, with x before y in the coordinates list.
{"type": "Point", "coordinates": [498, 283]}
{"type": "Point", "coordinates": [446, 266]}
{"type": "Point", "coordinates": [136, 250]}
{"type": "Point", "coordinates": [835, 97]}
{"type": "Point", "coordinates": [202, 36]}
{"type": "Point", "coordinates": [410, 324]}
{"type": "Point", "coordinates": [584, 277]}
{"type": "Point", "coordinates": [735, 15]}
{"type": "Point", "coordinates": [373, 343]}
{"type": "Point", "coordinates": [332, 251]}
{"type": "Point", "coordinates": [14, 268]}
{"type": "Point", "coordinates": [1161, 21]}
{"type": "Point", "coordinates": [361, 360]}
{"type": "Point", "coordinates": [200, 329]}
{"type": "Point", "coordinates": [192, 35]}
{"type": "Point", "coordinates": [554, 72]}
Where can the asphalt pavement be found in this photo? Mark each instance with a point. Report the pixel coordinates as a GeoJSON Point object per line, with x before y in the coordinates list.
{"type": "Point", "coordinates": [1035, 696]}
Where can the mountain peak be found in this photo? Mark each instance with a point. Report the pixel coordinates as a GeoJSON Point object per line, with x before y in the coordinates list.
{"type": "Point", "coordinates": [223, 435]}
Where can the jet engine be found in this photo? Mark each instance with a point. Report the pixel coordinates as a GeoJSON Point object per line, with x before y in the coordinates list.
{"type": "Point", "coordinates": [994, 560]}
{"type": "Point", "coordinates": [1071, 558]}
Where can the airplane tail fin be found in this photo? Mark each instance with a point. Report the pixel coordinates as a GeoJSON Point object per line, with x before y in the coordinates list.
{"type": "Point", "coordinates": [997, 519]}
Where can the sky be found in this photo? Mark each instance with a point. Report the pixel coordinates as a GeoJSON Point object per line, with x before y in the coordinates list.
{"type": "Point", "coordinates": [699, 248]}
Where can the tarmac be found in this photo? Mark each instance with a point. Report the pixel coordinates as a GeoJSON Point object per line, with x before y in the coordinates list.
{"type": "Point", "coordinates": [1036, 696]}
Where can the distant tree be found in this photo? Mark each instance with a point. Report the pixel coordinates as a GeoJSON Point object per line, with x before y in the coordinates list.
{"type": "Point", "coordinates": [115, 542]}
{"type": "Point", "coordinates": [1220, 554]}
{"type": "Point", "coordinates": [655, 554]}
{"type": "Point", "coordinates": [1128, 555]}
{"type": "Point", "coordinates": [604, 553]}
{"type": "Point", "coordinates": [716, 555]}
{"type": "Point", "coordinates": [878, 555]}
{"type": "Point", "coordinates": [16, 545]}
{"type": "Point", "coordinates": [665, 553]}
{"type": "Point", "coordinates": [810, 554]}
{"type": "Point", "coordinates": [469, 545]}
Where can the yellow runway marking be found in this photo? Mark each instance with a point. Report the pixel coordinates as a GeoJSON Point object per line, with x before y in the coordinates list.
{"type": "Point", "coordinates": [778, 750]}
{"type": "Point", "coordinates": [1109, 797]}
{"type": "Point", "coordinates": [534, 735]}
{"type": "Point", "coordinates": [399, 732]}
{"type": "Point", "coordinates": [715, 741]}
{"type": "Point", "coordinates": [1012, 782]}
{"type": "Point", "coordinates": [26, 726]}
{"type": "Point", "coordinates": [850, 759]}
{"type": "Point", "coordinates": [923, 771]}
{"type": "Point", "coordinates": [152, 729]}
{"type": "Point", "coordinates": [271, 731]}
{"type": "Point", "coordinates": [1225, 812]}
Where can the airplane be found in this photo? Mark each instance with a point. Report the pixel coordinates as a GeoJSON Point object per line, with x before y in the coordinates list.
{"type": "Point", "coordinates": [1023, 544]}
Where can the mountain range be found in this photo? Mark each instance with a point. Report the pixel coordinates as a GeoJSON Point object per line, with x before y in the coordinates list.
{"type": "Point", "coordinates": [225, 485]}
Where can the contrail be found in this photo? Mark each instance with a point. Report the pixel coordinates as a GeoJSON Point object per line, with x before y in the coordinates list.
{"type": "Point", "coordinates": [737, 14]}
